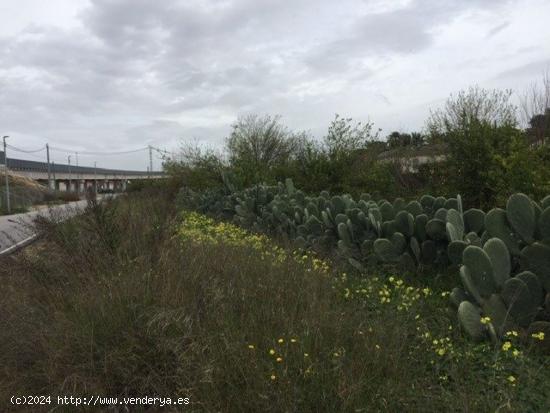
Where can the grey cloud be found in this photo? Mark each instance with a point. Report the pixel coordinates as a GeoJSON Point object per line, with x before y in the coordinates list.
{"type": "Point", "coordinates": [400, 31]}
{"type": "Point", "coordinates": [137, 69]}
{"type": "Point", "coordinates": [533, 70]}
{"type": "Point", "coordinates": [497, 29]}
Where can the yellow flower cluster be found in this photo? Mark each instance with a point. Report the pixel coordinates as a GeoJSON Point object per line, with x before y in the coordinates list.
{"type": "Point", "coordinates": [311, 261]}
{"type": "Point", "coordinates": [393, 290]}
{"type": "Point", "coordinates": [538, 336]}
{"type": "Point", "coordinates": [281, 350]}
{"type": "Point", "coordinates": [441, 346]}
{"type": "Point", "coordinates": [507, 345]}
{"type": "Point", "coordinates": [201, 229]}
{"type": "Point", "coordinates": [198, 228]}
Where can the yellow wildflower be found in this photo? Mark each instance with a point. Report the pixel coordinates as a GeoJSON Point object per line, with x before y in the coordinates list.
{"type": "Point", "coordinates": [485, 320]}
{"type": "Point", "coordinates": [279, 359]}
{"type": "Point", "coordinates": [280, 341]}
{"type": "Point", "coordinates": [506, 346]}
{"type": "Point", "coordinates": [272, 352]}
{"type": "Point", "coordinates": [251, 346]}
{"type": "Point", "coordinates": [538, 336]}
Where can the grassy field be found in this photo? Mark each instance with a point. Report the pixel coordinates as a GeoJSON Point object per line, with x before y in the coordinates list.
{"type": "Point", "coordinates": [135, 298]}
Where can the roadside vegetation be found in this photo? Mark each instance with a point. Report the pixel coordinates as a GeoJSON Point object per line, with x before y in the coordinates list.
{"type": "Point", "coordinates": [135, 298]}
{"type": "Point", "coordinates": [289, 274]}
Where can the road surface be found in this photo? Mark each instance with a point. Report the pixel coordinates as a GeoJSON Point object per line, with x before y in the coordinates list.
{"type": "Point", "coordinates": [17, 229]}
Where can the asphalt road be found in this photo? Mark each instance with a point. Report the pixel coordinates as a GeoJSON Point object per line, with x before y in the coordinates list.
{"type": "Point", "coordinates": [18, 228]}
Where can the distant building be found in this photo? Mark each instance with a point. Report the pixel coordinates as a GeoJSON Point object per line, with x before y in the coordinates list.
{"type": "Point", "coordinates": [410, 158]}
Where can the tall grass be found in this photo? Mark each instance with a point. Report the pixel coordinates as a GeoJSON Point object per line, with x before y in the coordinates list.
{"type": "Point", "coordinates": [113, 302]}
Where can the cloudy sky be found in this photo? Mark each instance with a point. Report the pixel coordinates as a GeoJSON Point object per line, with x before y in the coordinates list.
{"type": "Point", "coordinates": [112, 75]}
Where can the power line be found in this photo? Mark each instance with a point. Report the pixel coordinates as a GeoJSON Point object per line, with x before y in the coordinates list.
{"type": "Point", "coordinates": [25, 150]}
{"type": "Point", "coordinates": [160, 154]}
{"type": "Point", "coordinates": [33, 156]}
{"type": "Point", "coordinates": [161, 150]}
{"type": "Point", "coordinates": [98, 153]}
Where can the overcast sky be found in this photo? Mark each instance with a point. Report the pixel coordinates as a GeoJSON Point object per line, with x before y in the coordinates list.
{"type": "Point", "coordinates": [111, 75]}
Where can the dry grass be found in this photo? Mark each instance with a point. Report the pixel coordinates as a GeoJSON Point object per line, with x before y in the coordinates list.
{"type": "Point", "coordinates": [114, 303]}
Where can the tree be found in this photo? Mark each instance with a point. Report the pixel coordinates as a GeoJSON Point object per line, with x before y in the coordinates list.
{"type": "Point", "coordinates": [397, 140]}
{"type": "Point", "coordinates": [257, 145]}
{"type": "Point", "coordinates": [417, 139]}
{"type": "Point", "coordinates": [344, 150]}
{"type": "Point", "coordinates": [478, 126]}
{"type": "Point", "coordinates": [535, 110]}
{"type": "Point", "coordinates": [195, 167]}
{"type": "Point", "coordinates": [473, 106]}
{"type": "Point", "coordinates": [345, 137]}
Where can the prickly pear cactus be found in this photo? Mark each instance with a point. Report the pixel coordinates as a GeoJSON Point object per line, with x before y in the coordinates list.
{"type": "Point", "coordinates": [469, 316]}
{"type": "Point", "coordinates": [386, 251]}
{"type": "Point", "coordinates": [481, 269]}
{"type": "Point", "coordinates": [500, 260]}
{"type": "Point", "coordinates": [474, 221]}
{"type": "Point", "coordinates": [454, 225]}
{"type": "Point", "coordinates": [521, 216]}
{"type": "Point", "coordinates": [496, 224]}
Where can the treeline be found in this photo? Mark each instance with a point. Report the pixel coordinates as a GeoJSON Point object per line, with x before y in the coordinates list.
{"type": "Point", "coordinates": [483, 153]}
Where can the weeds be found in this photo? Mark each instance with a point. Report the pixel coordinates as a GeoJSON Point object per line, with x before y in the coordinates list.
{"type": "Point", "coordinates": [132, 299]}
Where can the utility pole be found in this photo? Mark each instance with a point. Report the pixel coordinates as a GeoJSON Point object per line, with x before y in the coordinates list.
{"type": "Point", "coordinates": [95, 178]}
{"type": "Point", "coordinates": [150, 161]}
{"type": "Point", "coordinates": [49, 169]}
{"type": "Point", "coordinates": [54, 180]}
{"type": "Point", "coordinates": [6, 173]}
{"type": "Point", "coordinates": [77, 176]}
{"type": "Point", "coordinates": [69, 161]}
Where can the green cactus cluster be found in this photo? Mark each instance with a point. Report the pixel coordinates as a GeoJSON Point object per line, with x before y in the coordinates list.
{"type": "Point", "coordinates": [503, 256]}
{"type": "Point", "coordinates": [506, 277]}
{"type": "Point", "coordinates": [430, 231]}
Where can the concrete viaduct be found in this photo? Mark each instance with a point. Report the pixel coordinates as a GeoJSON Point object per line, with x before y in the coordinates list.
{"type": "Point", "coordinates": [74, 178]}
